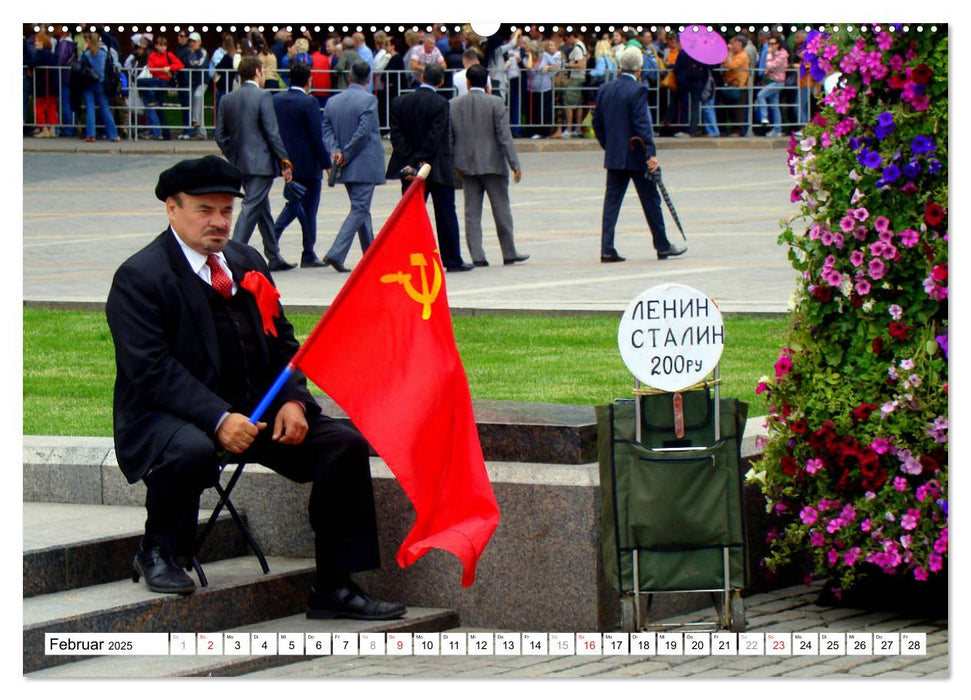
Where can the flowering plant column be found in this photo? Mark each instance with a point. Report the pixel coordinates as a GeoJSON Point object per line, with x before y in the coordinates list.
{"type": "Point", "coordinates": [855, 464]}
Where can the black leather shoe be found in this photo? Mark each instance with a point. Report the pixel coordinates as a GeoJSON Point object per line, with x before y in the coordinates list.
{"type": "Point", "coordinates": [162, 575]}
{"type": "Point", "coordinates": [481, 263]}
{"type": "Point", "coordinates": [462, 267]}
{"type": "Point", "coordinates": [334, 264]}
{"type": "Point", "coordinates": [313, 263]}
{"type": "Point", "coordinates": [350, 601]}
{"type": "Point", "coordinates": [613, 257]}
{"type": "Point", "coordinates": [280, 265]}
{"type": "Point", "coordinates": [518, 258]}
{"type": "Point", "coordinates": [671, 251]}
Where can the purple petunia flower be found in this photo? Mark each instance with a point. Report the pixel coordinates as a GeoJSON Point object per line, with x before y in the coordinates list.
{"type": "Point", "coordinates": [933, 166]}
{"type": "Point", "coordinates": [869, 159]}
{"type": "Point", "coordinates": [891, 173]}
{"type": "Point", "coordinates": [922, 144]}
{"type": "Point", "coordinates": [911, 170]}
{"type": "Point", "coordinates": [942, 342]}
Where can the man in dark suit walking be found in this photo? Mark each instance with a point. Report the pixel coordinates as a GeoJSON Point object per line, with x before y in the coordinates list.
{"type": "Point", "coordinates": [352, 135]}
{"type": "Point", "coordinates": [482, 143]}
{"type": "Point", "coordinates": [419, 134]}
{"type": "Point", "coordinates": [620, 120]}
{"type": "Point", "coordinates": [193, 359]}
{"type": "Point", "coordinates": [248, 135]}
{"type": "Point", "coordinates": [298, 116]}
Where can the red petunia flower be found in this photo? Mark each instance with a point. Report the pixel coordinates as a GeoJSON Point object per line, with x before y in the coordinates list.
{"type": "Point", "coordinates": [921, 73]}
{"type": "Point", "coordinates": [898, 330]}
{"type": "Point", "coordinates": [789, 466]}
{"type": "Point", "coordinates": [939, 273]}
{"type": "Point", "coordinates": [896, 81]}
{"type": "Point", "coordinates": [877, 346]}
{"type": "Point", "coordinates": [862, 413]}
{"type": "Point", "coordinates": [933, 214]}
{"type": "Point", "coordinates": [799, 427]}
{"type": "Point", "coordinates": [823, 293]}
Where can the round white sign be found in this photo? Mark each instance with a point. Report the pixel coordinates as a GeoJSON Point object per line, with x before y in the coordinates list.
{"type": "Point", "coordinates": [671, 337]}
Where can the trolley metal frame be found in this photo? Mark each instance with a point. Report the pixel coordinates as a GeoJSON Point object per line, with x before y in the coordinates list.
{"type": "Point", "coordinates": [728, 605]}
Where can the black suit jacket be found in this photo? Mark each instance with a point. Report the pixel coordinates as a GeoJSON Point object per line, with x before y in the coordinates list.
{"type": "Point", "coordinates": [167, 352]}
{"type": "Point", "coordinates": [621, 113]}
{"type": "Point", "coordinates": [298, 116]}
{"type": "Point", "coordinates": [419, 134]}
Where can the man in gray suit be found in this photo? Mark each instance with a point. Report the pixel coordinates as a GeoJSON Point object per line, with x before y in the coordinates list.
{"type": "Point", "coordinates": [351, 134]}
{"type": "Point", "coordinates": [247, 134]}
{"type": "Point", "coordinates": [483, 145]}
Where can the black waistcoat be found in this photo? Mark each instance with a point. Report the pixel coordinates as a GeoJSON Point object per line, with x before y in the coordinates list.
{"type": "Point", "coordinates": [243, 370]}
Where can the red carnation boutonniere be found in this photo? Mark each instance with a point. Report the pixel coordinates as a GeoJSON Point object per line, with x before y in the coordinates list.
{"type": "Point", "coordinates": [267, 299]}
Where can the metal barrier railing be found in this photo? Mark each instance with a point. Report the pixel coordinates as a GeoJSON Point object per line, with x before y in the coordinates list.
{"type": "Point", "coordinates": [148, 109]}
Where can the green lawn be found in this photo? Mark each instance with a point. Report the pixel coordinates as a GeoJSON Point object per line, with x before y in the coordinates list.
{"type": "Point", "coordinates": [69, 363]}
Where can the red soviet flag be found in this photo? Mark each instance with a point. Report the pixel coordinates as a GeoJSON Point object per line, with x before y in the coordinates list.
{"type": "Point", "coordinates": [385, 352]}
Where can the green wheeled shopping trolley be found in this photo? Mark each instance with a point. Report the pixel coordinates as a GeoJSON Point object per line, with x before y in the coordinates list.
{"type": "Point", "coordinates": [671, 500]}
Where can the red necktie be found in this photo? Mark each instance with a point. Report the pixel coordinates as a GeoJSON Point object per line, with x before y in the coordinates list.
{"type": "Point", "coordinates": [220, 280]}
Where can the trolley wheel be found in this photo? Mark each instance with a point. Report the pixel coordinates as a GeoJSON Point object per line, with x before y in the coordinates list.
{"type": "Point", "coordinates": [734, 618]}
{"type": "Point", "coordinates": [627, 621]}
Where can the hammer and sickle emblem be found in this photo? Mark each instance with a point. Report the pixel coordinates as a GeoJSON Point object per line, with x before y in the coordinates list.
{"type": "Point", "coordinates": [426, 297]}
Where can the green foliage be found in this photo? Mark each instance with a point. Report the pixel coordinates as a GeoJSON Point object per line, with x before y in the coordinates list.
{"type": "Point", "coordinates": [856, 464]}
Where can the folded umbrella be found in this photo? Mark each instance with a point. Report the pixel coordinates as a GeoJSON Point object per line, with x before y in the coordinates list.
{"type": "Point", "coordinates": [655, 177]}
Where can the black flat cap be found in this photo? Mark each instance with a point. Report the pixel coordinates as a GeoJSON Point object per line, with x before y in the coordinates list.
{"type": "Point", "coordinates": [208, 175]}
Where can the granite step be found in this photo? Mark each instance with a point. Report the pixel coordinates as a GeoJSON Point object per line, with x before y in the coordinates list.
{"type": "Point", "coordinates": [69, 545]}
{"type": "Point", "coordinates": [512, 431]}
{"type": "Point", "coordinates": [238, 594]}
{"type": "Point", "coordinates": [417, 620]}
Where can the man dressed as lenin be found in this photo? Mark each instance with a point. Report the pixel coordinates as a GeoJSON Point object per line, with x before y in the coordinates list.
{"type": "Point", "coordinates": [193, 359]}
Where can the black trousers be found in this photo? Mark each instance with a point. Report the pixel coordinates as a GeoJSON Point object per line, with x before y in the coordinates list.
{"type": "Point", "coordinates": [650, 199]}
{"type": "Point", "coordinates": [333, 457]}
{"type": "Point", "coordinates": [446, 220]}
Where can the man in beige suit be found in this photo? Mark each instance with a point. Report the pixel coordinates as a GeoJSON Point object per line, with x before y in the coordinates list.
{"type": "Point", "coordinates": [482, 145]}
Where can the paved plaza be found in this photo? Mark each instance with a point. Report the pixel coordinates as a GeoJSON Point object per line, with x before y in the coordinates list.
{"type": "Point", "coordinates": [85, 212]}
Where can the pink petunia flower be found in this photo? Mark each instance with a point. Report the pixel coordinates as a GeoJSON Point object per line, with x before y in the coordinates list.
{"type": "Point", "coordinates": [920, 573]}
{"type": "Point", "coordinates": [851, 556]}
{"type": "Point", "coordinates": [908, 238]}
{"type": "Point", "coordinates": [856, 257]}
{"type": "Point", "coordinates": [813, 466]}
{"type": "Point", "coordinates": [881, 223]}
{"type": "Point", "coordinates": [817, 539]}
{"type": "Point", "coordinates": [909, 519]}
{"type": "Point", "coordinates": [876, 268]}
{"type": "Point", "coordinates": [896, 312]}
{"type": "Point", "coordinates": [900, 484]}
{"type": "Point", "coordinates": [880, 445]}
{"type": "Point", "coordinates": [808, 515]}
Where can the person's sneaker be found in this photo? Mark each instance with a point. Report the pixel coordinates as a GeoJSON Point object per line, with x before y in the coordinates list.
{"type": "Point", "coordinates": [774, 133]}
{"type": "Point", "coordinates": [349, 601]}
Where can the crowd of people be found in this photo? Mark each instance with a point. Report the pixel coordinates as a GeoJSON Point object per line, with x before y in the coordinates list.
{"type": "Point", "coordinates": [153, 86]}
